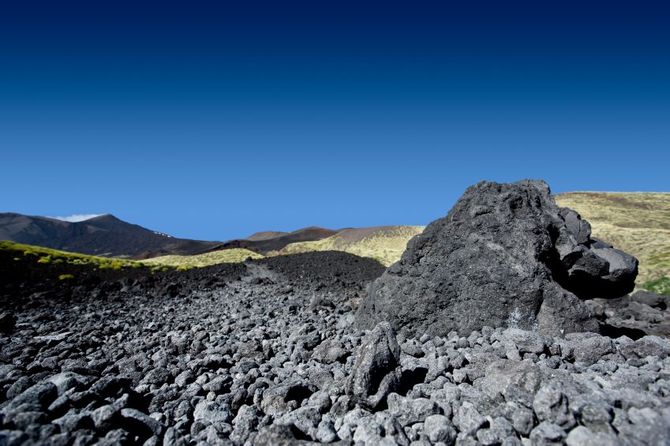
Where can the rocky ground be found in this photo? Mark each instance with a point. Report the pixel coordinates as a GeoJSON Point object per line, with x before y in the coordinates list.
{"type": "Point", "coordinates": [267, 353]}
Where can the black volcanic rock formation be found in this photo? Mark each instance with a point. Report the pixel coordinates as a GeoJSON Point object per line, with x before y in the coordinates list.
{"type": "Point", "coordinates": [103, 235]}
{"type": "Point", "coordinates": [505, 255]}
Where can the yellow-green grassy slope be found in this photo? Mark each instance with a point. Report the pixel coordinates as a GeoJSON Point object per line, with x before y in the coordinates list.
{"type": "Point", "coordinates": [235, 255]}
{"type": "Point", "coordinates": [53, 256]}
{"type": "Point", "coordinates": [47, 256]}
{"type": "Point", "coordinates": [638, 223]}
{"type": "Point", "coordinates": [383, 243]}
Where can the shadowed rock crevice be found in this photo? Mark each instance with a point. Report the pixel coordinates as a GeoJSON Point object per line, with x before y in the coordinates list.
{"type": "Point", "coordinates": [615, 332]}
{"type": "Point", "coordinates": [410, 378]}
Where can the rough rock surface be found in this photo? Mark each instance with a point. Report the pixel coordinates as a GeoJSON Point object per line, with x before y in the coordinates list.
{"type": "Point", "coordinates": [374, 374]}
{"type": "Point", "coordinates": [505, 255]}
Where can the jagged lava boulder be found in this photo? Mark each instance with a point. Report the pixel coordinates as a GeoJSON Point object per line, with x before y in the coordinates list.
{"type": "Point", "coordinates": [505, 255]}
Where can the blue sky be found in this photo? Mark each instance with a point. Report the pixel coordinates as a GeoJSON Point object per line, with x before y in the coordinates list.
{"type": "Point", "coordinates": [214, 120]}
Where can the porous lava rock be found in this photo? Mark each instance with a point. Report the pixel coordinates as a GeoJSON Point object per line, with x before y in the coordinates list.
{"type": "Point", "coordinates": [374, 372]}
{"type": "Point", "coordinates": [505, 256]}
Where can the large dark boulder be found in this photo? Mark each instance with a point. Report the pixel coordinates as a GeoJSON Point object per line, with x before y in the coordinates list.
{"type": "Point", "coordinates": [505, 255]}
{"type": "Point", "coordinates": [374, 374]}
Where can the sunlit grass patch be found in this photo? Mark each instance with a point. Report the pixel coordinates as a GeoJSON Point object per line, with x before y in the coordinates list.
{"type": "Point", "coordinates": [236, 255]}
{"type": "Point", "coordinates": [47, 256]}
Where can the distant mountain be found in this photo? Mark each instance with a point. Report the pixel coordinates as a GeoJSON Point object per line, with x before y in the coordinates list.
{"type": "Point", "coordinates": [265, 235]}
{"type": "Point", "coordinates": [104, 235]}
{"type": "Point", "coordinates": [264, 242]}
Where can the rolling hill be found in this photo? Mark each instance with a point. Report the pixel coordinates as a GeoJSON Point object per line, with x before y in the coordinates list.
{"type": "Point", "coordinates": [104, 235]}
{"type": "Point", "coordinates": [265, 235]}
{"type": "Point", "coordinates": [47, 256]}
{"type": "Point", "coordinates": [382, 243]}
{"type": "Point", "coordinates": [264, 242]}
{"type": "Point", "coordinates": [232, 255]}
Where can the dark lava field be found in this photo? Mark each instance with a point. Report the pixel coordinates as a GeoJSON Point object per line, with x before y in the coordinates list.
{"type": "Point", "coordinates": [505, 323]}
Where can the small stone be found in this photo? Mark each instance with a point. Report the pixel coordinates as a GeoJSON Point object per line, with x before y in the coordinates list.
{"type": "Point", "coordinates": [184, 378]}
{"type": "Point", "coordinates": [439, 429]}
{"type": "Point", "coordinates": [212, 412]}
{"type": "Point", "coordinates": [102, 416]}
{"type": "Point", "coordinates": [411, 410]}
{"type": "Point", "coordinates": [547, 433]}
{"type": "Point", "coordinates": [596, 414]}
{"type": "Point", "coordinates": [67, 380]}
{"type": "Point", "coordinates": [143, 420]}
{"type": "Point", "coordinates": [523, 420]}
{"type": "Point", "coordinates": [588, 348]}
{"type": "Point", "coordinates": [157, 376]}
{"type": "Point", "coordinates": [245, 423]}
{"type": "Point", "coordinates": [38, 396]}
{"type": "Point", "coordinates": [468, 419]}
{"type": "Point", "coordinates": [413, 348]}
{"type": "Point", "coordinates": [526, 341]}
{"type": "Point", "coordinates": [325, 432]}
{"type": "Point", "coordinates": [582, 436]}
{"type": "Point", "coordinates": [217, 385]}
{"type": "Point", "coordinates": [329, 352]}
{"type": "Point", "coordinates": [551, 404]}
{"type": "Point", "coordinates": [73, 421]}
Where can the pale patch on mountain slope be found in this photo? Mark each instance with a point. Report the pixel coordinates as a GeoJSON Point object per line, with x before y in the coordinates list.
{"type": "Point", "coordinates": [382, 243]}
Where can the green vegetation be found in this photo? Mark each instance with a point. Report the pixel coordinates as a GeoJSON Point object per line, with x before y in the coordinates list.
{"type": "Point", "coordinates": [65, 277]}
{"type": "Point", "coordinates": [48, 256]}
{"type": "Point", "coordinates": [638, 223]}
{"type": "Point", "coordinates": [236, 255]}
{"type": "Point", "coordinates": [660, 286]}
{"type": "Point", "coordinates": [115, 264]}
{"type": "Point", "coordinates": [384, 244]}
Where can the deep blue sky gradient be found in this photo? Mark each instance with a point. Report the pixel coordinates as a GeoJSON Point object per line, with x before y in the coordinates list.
{"type": "Point", "coordinates": [213, 120]}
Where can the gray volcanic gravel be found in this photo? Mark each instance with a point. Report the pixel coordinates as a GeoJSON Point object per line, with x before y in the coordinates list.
{"type": "Point", "coordinates": [269, 354]}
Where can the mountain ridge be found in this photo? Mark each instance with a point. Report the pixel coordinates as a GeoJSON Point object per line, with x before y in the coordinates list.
{"type": "Point", "coordinates": [104, 235]}
{"type": "Point", "coordinates": [264, 245]}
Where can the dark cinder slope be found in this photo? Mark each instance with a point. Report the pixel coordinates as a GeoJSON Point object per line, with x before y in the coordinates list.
{"type": "Point", "coordinates": [105, 235]}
